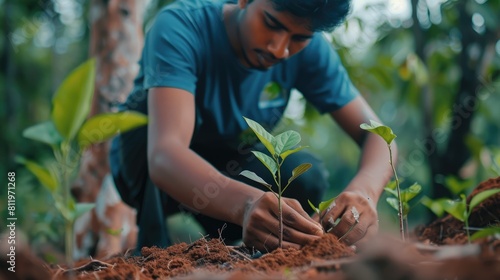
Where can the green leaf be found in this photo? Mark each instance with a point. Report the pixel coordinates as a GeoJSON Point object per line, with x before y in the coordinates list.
{"type": "Point", "coordinates": [436, 206]}
{"type": "Point", "coordinates": [286, 141]}
{"type": "Point", "coordinates": [485, 232]}
{"type": "Point", "coordinates": [457, 186]}
{"type": "Point", "coordinates": [285, 154]}
{"type": "Point", "coordinates": [252, 176]}
{"type": "Point", "coordinates": [41, 173]}
{"type": "Point", "coordinates": [264, 136]}
{"type": "Point", "coordinates": [324, 204]}
{"type": "Point", "coordinates": [102, 127]}
{"type": "Point", "coordinates": [391, 191]}
{"type": "Point", "coordinates": [82, 208]}
{"type": "Point", "coordinates": [480, 197]}
{"type": "Point", "coordinates": [313, 207]}
{"type": "Point", "coordinates": [391, 185]}
{"type": "Point", "coordinates": [72, 101]}
{"type": "Point", "coordinates": [299, 170]}
{"type": "Point", "coordinates": [393, 202]}
{"type": "Point", "coordinates": [267, 161]}
{"type": "Point", "coordinates": [410, 192]}
{"type": "Point", "coordinates": [44, 132]}
{"type": "Point", "coordinates": [456, 208]}
{"type": "Point", "coordinates": [383, 131]}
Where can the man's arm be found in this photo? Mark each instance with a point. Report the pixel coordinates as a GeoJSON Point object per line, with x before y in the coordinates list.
{"type": "Point", "coordinates": [364, 190]}
{"type": "Point", "coordinates": [191, 180]}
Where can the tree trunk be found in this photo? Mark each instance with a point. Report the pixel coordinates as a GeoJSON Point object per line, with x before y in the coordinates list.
{"type": "Point", "coordinates": [116, 43]}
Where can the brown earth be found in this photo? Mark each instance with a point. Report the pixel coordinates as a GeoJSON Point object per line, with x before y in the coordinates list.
{"type": "Point", "coordinates": [438, 251]}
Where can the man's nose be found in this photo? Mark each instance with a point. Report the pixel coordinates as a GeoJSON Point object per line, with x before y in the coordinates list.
{"type": "Point", "coordinates": [279, 45]}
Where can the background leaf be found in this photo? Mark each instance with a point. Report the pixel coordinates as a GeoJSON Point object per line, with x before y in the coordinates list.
{"type": "Point", "coordinates": [456, 208]}
{"type": "Point", "coordinates": [485, 232]}
{"type": "Point", "coordinates": [41, 173]}
{"type": "Point", "coordinates": [44, 132]}
{"type": "Point", "coordinates": [104, 126]}
{"type": "Point", "coordinates": [480, 197]}
{"type": "Point", "coordinates": [71, 103]}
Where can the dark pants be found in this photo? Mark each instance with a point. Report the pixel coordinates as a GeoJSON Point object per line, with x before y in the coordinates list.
{"type": "Point", "coordinates": [128, 160]}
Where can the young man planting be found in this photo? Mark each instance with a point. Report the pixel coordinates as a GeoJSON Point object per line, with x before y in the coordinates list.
{"type": "Point", "coordinates": [204, 66]}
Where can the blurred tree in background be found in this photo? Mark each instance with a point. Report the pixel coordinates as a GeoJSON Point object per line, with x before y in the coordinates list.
{"type": "Point", "coordinates": [430, 69]}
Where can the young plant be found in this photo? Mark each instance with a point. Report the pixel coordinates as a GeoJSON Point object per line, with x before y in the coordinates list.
{"type": "Point", "coordinates": [322, 206]}
{"type": "Point", "coordinates": [406, 195]}
{"type": "Point", "coordinates": [386, 133]}
{"type": "Point", "coordinates": [279, 147]}
{"type": "Point", "coordinates": [68, 133]}
{"type": "Point", "coordinates": [461, 211]}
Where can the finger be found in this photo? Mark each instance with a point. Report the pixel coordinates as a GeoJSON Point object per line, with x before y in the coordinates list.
{"type": "Point", "coordinates": [371, 232]}
{"type": "Point", "coordinates": [295, 204]}
{"type": "Point", "coordinates": [297, 221]}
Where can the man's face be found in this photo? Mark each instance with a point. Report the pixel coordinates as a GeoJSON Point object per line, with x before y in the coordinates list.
{"type": "Point", "coordinates": [268, 36]}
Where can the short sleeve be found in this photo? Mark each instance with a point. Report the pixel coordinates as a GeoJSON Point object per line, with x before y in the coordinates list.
{"type": "Point", "coordinates": [322, 78]}
{"type": "Point", "coordinates": [170, 52]}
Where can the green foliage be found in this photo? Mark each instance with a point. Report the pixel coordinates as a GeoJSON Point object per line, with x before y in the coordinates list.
{"type": "Point", "coordinates": [459, 208]}
{"type": "Point", "coordinates": [322, 206]}
{"type": "Point", "coordinates": [279, 148]}
{"type": "Point", "coordinates": [485, 232]}
{"type": "Point", "coordinates": [381, 130]}
{"type": "Point", "coordinates": [68, 133]}
{"type": "Point", "coordinates": [406, 195]}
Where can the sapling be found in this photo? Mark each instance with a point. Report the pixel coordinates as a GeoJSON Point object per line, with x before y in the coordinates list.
{"type": "Point", "coordinates": [386, 133]}
{"type": "Point", "coordinates": [279, 147]}
{"type": "Point", "coordinates": [461, 211]}
{"type": "Point", "coordinates": [68, 133]}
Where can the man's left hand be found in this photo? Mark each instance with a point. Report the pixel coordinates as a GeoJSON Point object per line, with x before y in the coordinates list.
{"type": "Point", "coordinates": [352, 217]}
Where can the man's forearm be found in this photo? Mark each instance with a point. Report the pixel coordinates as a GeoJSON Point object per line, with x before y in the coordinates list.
{"type": "Point", "coordinates": [192, 181]}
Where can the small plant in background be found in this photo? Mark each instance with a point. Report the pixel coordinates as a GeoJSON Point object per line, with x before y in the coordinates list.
{"type": "Point", "coordinates": [386, 133]}
{"type": "Point", "coordinates": [68, 133]}
{"type": "Point", "coordinates": [461, 211]}
{"type": "Point", "coordinates": [279, 147]}
{"type": "Point", "coordinates": [406, 196]}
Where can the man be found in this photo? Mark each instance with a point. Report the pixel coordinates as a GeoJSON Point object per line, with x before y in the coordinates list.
{"type": "Point", "coordinates": [204, 66]}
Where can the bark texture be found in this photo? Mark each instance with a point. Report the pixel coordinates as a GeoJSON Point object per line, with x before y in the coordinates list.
{"type": "Point", "coordinates": [116, 43]}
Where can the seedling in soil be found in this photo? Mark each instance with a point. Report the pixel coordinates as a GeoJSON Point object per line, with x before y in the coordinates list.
{"type": "Point", "coordinates": [321, 211]}
{"type": "Point", "coordinates": [406, 195]}
{"type": "Point", "coordinates": [68, 133]}
{"type": "Point", "coordinates": [386, 133]}
{"type": "Point", "coordinates": [279, 147]}
{"type": "Point", "coordinates": [461, 211]}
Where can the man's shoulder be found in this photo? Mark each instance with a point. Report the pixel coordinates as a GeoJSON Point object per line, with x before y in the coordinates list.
{"type": "Point", "coordinates": [192, 5]}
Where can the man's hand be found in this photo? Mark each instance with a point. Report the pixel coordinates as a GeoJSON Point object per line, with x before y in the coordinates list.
{"type": "Point", "coordinates": [261, 224]}
{"type": "Point", "coordinates": [352, 217]}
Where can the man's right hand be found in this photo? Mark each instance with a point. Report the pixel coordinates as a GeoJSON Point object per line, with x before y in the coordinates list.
{"type": "Point", "coordinates": [261, 224]}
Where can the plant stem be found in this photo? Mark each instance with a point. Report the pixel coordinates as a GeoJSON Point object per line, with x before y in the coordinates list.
{"type": "Point", "coordinates": [400, 206]}
{"type": "Point", "coordinates": [467, 228]}
{"type": "Point", "coordinates": [280, 210]}
{"type": "Point", "coordinates": [66, 181]}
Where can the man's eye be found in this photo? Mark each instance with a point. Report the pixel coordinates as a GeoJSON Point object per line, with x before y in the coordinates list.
{"type": "Point", "coordinates": [271, 26]}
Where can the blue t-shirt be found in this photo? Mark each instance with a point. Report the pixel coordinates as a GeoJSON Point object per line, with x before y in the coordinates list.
{"type": "Point", "coordinates": [188, 48]}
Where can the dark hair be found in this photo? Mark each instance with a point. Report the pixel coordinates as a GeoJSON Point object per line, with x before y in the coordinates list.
{"type": "Point", "coordinates": [323, 15]}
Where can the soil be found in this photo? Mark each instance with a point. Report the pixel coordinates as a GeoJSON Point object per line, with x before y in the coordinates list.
{"type": "Point", "coordinates": [439, 250]}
